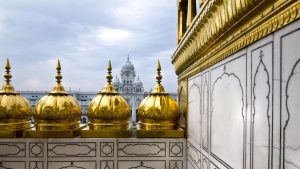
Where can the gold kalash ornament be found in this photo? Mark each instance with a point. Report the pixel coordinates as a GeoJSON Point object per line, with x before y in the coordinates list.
{"type": "Point", "coordinates": [56, 114]}
{"type": "Point", "coordinates": [158, 113]}
{"type": "Point", "coordinates": [15, 110]}
{"type": "Point", "coordinates": [108, 113]}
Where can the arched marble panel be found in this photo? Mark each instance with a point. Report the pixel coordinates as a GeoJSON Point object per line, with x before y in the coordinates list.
{"type": "Point", "coordinates": [227, 119]}
{"type": "Point", "coordinates": [194, 115]}
{"type": "Point", "coordinates": [260, 120]}
{"type": "Point", "coordinates": [205, 112]}
{"type": "Point", "coordinates": [291, 140]}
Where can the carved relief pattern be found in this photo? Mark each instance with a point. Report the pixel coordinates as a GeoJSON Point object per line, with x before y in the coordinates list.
{"type": "Point", "coordinates": [72, 149]}
{"type": "Point", "coordinates": [107, 149]}
{"type": "Point", "coordinates": [36, 149]}
{"type": "Point", "coordinates": [142, 149]}
{"type": "Point", "coordinates": [141, 164]}
{"type": "Point", "coordinates": [185, 57]}
{"type": "Point", "coordinates": [12, 149]}
{"type": "Point", "coordinates": [194, 155]}
{"type": "Point", "coordinates": [36, 165]}
{"type": "Point", "coordinates": [107, 164]}
{"type": "Point", "coordinates": [176, 149]}
{"type": "Point", "coordinates": [93, 153]}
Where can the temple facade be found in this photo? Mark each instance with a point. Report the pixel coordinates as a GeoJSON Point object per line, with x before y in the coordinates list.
{"type": "Point", "coordinates": [238, 64]}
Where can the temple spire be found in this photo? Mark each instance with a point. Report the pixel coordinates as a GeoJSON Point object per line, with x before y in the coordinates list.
{"type": "Point", "coordinates": [7, 76]}
{"type": "Point", "coordinates": [58, 72]}
{"type": "Point", "coordinates": [109, 77]}
{"type": "Point", "coordinates": [158, 77]}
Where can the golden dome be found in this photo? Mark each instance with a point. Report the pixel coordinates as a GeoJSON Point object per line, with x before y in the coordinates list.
{"type": "Point", "coordinates": [109, 110]}
{"type": "Point", "coordinates": [57, 110]}
{"type": "Point", "coordinates": [158, 110]}
{"type": "Point", "coordinates": [15, 110]}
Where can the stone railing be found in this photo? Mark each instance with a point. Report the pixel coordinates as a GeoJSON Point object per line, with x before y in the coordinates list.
{"type": "Point", "coordinates": [93, 153]}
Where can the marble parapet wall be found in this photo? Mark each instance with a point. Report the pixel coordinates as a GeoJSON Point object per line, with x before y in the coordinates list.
{"type": "Point", "coordinates": [93, 153]}
{"type": "Point", "coordinates": [243, 112]}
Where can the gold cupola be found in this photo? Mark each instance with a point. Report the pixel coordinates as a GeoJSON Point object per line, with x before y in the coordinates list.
{"type": "Point", "coordinates": [108, 113]}
{"type": "Point", "coordinates": [56, 114]}
{"type": "Point", "coordinates": [15, 110]}
{"type": "Point", "coordinates": [158, 113]}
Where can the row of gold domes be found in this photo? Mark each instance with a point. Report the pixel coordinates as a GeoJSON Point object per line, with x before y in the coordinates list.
{"type": "Point", "coordinates": [59, 111]}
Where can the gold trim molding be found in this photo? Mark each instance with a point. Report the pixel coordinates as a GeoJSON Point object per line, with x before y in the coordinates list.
{"type": "Point", "coordinates": [225, 26]}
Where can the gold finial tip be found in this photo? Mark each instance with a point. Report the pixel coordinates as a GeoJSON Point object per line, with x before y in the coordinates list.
{"type": "Point", "coordinates": [7, 64]}
{"type": "Point", "coordinates": [109, 65]}
{"type": "Point", "coordinates": [109, 77]}
{"type": "Point", "coordinates": [158, 65]}
{"type": "Point", "coordinates": [58, 73]}
{"type": "Point", "coordinates": [158, 77]}
{"type": "Point", "coordinates": [7, 75]}
{"type": "Point", "coordinates": [58, 64]}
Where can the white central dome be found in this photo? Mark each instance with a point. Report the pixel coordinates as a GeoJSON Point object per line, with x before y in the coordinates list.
{"type": "Point", "coordinates": [128, 66]}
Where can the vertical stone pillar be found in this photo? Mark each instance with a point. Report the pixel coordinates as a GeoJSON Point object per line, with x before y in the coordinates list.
{"type": "Point", "coordinates": [181, 18]}
{"type": "Point", "coordinates": [191, 12]}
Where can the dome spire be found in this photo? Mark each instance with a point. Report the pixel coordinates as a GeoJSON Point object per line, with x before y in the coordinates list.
{"type": "Point", "coordinates": [58, 88]}
{"type": "Point", "coordinates": [128, 57]}
{"type": "Point", "coordinates": [158, 77]}
{"type": "Point", "coordinates": [7, 88]}
{"type": "Point", "coordinates": [58, 75]}
{"type": "Point", "coordinates": [7, 76]}
{"type": "Point", "coordinates": [109, 77]}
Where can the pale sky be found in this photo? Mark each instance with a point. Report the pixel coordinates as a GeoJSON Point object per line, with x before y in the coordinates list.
{"type": "Point", "coordinates": [84, 35]}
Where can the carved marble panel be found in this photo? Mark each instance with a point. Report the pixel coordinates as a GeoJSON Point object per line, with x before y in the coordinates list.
{"type": "Point", "coordinates": [36, 165]}
{"type": "Point", "coordinates": [12, 165]}
{"type": "Point", "coordinates": [194, 111]}
{"type": "Point", "coordinates": [107, 149]}
{"type": "Point", "coordinates": [12, 149]}
{"type": "Point", "coordinates": [107, 164]}
{"type": "Point", "coordinates": [194, 155]}
{"type": "Point", "coordinates": [175, 149]}
{"type": "Point", "coordinates": [261, 93]}
{"type": "Point", "coordinates": [176, 164]}
{"type": "Point", "coordinates": [205, 109]}
{"type": "Point", "coordinates": [141, 164]}
{"type": "Point", "coordinates": [36, 149]}
{"type": "Point", "coordinates": [289, 50]}
{"type": "Point", "coordinates": [228, 115]}
{"type": "Point", "coordinates": [139, 149]}
{"type": "Point", "coordinates": [72, 165]}
{"type": "Point", "coordinates": [71, 149]}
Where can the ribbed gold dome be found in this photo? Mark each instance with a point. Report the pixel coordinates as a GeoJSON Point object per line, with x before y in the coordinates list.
{"type": "Point", "coordinates": [158, 110]}
{"type": "Point", "coordinates": [108, 110]}
{"type": "Point", "coordinates": [57, 110]}
{"type": "Point", "coordinates": [15, 110]}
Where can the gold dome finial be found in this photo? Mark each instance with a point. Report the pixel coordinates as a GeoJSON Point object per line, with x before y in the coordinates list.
{"type": "Point", "coordinates": [58, 110]}
{"type": "Point", "coordinates": [15, 110]}
{"type": "Point", "coordinates": [158, 77]}
{"type": "Point", "coordinates": [109, 110]}
{"type": "Point", "coordinates": [7, 76]}
{"type": "Point", "coordinates": [109, 77]}
{"type": "Point", "coordinates": [158, 110]}
{"type": "Point", "coordinates": [58, 75]}
{"type": "Point", "coordinates": [58, 88]}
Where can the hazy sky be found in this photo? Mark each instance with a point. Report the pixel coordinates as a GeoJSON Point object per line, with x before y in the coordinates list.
{"type": "Point", "coordinates": [84, 35]}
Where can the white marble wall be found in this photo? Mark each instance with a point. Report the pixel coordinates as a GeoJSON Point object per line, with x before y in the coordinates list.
{"type": "Point", "coordinates": [93, 153]}
{"type": "Point", "coordinates": [243, 112]}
